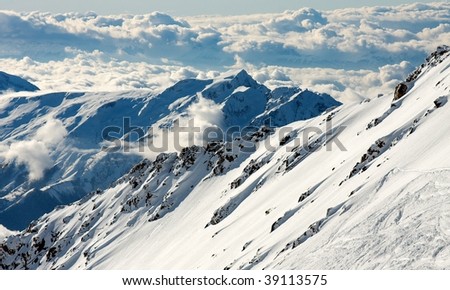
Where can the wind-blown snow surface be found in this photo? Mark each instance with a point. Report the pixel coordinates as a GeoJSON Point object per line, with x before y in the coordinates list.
{"type": "Point", "coordinates": [383, 202]}
{"type": "Point", "coordinates": [51, 144]}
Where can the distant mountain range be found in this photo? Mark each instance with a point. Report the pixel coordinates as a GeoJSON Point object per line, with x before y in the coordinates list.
{"type": "Point", "coordinates": [76, 165]}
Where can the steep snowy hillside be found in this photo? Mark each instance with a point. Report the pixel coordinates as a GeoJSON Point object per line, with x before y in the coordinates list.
{"type": "Point", "coordinates": [4, 232]}
{"type": "Point", "coordinates": [14, 83]}
{"type": "Point", "coordinates": [362, 186]}
{"type": "Point", "coordinates": [50, 145]}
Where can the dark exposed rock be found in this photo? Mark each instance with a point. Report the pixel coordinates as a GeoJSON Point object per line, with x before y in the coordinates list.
{"type": "Point", "coordinates": [188, 155]}
{"type": "Point", "coordinates": [432, 60]}
{"type": "Point", "coordinates": [311, 231]}
{"type": "Point", "coordinates": [39, 244]}
{"type": "Point", "coordinates": [246, 245]}
{"type": "Point", "coordinates": [441, 101]}
{"type": "Point", "coordinates": [5, 248]}
{"type": "Point", "coordinates": [304, 196]}
{"type": "Point", "coordinates": [52, 252]}
{"type": "Point", "coordinates": [275, 225]}
{"type": "Point", "coordinates": [214, 146]}
{"type": "Point", "coordinates": [400, 90]}
{"type": "Point", "coordinates": [251, 168]}
{"type": "Point", "coordinates": [372, 153]}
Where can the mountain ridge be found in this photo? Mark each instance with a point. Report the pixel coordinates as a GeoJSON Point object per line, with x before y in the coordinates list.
{"type": "Point", "coordinates": [76, 164]}
{"type": "Point", "coordinates": [366, 189]}
{"type": "Point", "coordinates": [14, 83]}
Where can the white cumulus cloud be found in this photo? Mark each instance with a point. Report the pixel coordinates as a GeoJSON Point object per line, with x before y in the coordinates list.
{"type": "Point", "coordinates": [35, 153]}
{"type": "Point", "coordinates": [342, 52]}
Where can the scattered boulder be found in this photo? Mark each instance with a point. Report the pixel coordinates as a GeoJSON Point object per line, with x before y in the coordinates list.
{"type": "Point", "coordinates": [432, 60]}
{"type": "Point", "coordinates": [435, 58]}
{"type": "Point", "coordinates": [400, 90]}
{"type": "Point", "coordinates": [441, 101]}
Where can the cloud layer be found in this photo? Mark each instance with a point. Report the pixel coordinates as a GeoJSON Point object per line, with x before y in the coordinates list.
{"type": "Point", "coordinates": [35, 153]}
{"type": "Point", "coordinates": [301, 38]}
{"type": "Point", "coordinates": [355, 48]}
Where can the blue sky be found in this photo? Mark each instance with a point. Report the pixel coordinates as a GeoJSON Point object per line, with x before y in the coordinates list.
{"type": "Point", "coordinates": [185, 7]}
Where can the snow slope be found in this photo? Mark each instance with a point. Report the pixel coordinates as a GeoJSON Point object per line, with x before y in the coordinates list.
{"type": "Point", "coordinates": [14, 83]}
{"type": "Point", "coordinates": [51, 144]}
{"type": "Point", "coordinates": [362, 186]}
{"type": "Point", "coordinates": [4, 232]}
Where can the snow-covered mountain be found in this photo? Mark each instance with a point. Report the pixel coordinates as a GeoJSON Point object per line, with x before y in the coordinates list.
{"type": "Point", "coordinates": [4, 232]}
{"type": "Point", "coordinates": [362, 186]}
{"type": "Point", "coordinates": [51, 144]}
{"type": "Point", "coordinates": [15, 84]}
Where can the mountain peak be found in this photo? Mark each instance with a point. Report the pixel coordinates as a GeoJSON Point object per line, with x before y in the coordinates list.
{"type": "Point", "coordinates": [243, 78]}
{"type": "Point", "coordinates": [224, 87]}
{"type": "Point", "coordinates": [243, 74]}
{"type": "Point", "coordinates": [235, 101]}
{"type": "Point", "coordinates": [14, 83]}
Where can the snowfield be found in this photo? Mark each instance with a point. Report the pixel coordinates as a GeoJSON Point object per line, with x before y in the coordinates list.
{"type": "Point", "coordinates": [368, 188]}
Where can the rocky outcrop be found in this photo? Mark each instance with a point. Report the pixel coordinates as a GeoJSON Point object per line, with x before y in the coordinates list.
{"type": "Point", "coordinates": [431, 61]}
{"type": "Point", "coordinates": [400, 90]}
{"type": "Point", "coordinates": [441, 101]}
{"type": "Point", "coordinates": [435, 58]}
